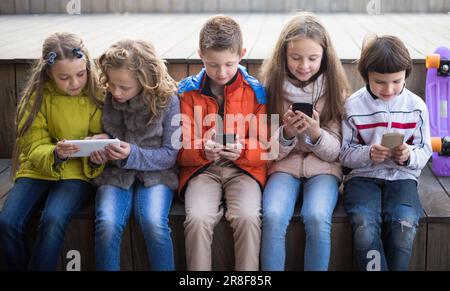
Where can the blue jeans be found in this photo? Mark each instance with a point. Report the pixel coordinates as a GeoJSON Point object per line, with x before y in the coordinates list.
{"type": "Point", "coordinates": [320, 194]}
{"type": "Point", "coordinates": [384, 216]}
{"type": "Point", "coordinates": [65, 197]}
{"type": "Point", "coordinates": [151, 210]}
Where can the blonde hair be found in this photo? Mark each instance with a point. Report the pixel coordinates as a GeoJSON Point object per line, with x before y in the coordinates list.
{"type": "Point", "coordinates": [383, 54]}
{"type": "Point", "coordinates": [140, 58]}
{"type": "Point", "coordinates": [274, 69]}
{"type": "Point", "coordinates": [220, 33]}
{"type": "Point", "coordinates": [57, 46]}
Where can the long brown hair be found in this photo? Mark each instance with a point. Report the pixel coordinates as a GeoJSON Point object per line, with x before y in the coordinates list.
{"type": "Point", "coordinates": [274, 69]}
{"type": "Point", "coordinates": [140, 58]}
{"type": "Point", "coordinates": [60, 46]}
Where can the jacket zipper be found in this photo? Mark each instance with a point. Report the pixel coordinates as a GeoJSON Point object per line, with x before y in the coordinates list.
{"type": "Point", "coordinates": [389, 117]}
{"type": "Point", "coordinates": [217, 108]}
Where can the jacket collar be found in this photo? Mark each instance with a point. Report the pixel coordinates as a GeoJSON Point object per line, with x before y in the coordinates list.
{"type": "Point", "coordinates": [232, 85]}
{"type": "Point", "coordinates": [195, 83]}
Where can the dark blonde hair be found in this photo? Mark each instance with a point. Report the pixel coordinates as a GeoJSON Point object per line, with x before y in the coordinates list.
{"type": "Point", "coordinates": [274, 70]}
{"type": "Point", "coordinates": [57, 46]}
{"type": "Point", "coordinates": [220, 33]}
{"type": "Point", "coordinates": [383, 54]}
{"type": "Point", "coordinates": [140, 58]}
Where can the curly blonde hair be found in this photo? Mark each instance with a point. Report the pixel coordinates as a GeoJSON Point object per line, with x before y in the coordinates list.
{"type": "Point", "coordinates": [140, 58]}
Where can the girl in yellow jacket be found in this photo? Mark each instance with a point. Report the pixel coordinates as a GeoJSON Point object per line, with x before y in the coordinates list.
{"type": "Point", "coordinates": [59, 103]}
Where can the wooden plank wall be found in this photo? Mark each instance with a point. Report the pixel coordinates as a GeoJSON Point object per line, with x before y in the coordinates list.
{"type": "Point", "coordinates": [225, 6]}
{"type": "Point", "coordinates": [7, 108]}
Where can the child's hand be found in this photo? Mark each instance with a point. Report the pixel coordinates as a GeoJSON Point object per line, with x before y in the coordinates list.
{"type": "Point", "coordinates": [98, 136]}
{"type": "Point", "coordinates": [98, 157]}
{"type": "Point", "coordinates": [401, 153]}
{"type": "Point", "coordinates": [115, 153]}
{"type": "Point", "coordinates": [232, 151]}
{"type": "Point", "coordinates": [379, 153]}
{"type": "Point", "coordinates": [292, 124]}
{"type": "Point", "coordinates": [212, 148]}
{"type": "Point", "coordinates": [64, 150]}
{"type": "Point", "coordinates": [312, 125]}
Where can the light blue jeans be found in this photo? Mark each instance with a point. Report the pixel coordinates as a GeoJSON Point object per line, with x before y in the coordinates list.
{"type": "Point", "coordinates": [320, 194]}
{"type": "Point", "coordinates": [151, 209]}
{"type": "Point", "coordinates": [63, 199]}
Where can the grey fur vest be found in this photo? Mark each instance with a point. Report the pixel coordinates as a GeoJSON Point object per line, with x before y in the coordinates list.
{"type": "Point", "coordinates": [128, 122]}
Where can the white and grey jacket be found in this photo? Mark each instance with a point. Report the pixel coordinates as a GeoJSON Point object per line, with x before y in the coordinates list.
{"type": "Point", "coordinates": [368, 118]}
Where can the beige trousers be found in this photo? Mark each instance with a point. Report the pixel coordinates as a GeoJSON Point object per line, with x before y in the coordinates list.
{"type": "Point", "coordinates": [204, 209]}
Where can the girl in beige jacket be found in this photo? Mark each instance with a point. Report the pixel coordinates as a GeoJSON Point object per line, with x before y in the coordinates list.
{"type": "Point", "coordinates": [304, 68]}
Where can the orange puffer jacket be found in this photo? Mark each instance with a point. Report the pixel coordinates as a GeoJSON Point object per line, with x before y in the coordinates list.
{"type": "Point", "coordinates": [244, 108]}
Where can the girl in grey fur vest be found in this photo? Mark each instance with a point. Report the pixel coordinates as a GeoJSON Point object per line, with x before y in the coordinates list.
{"type": "Point", "coordinates": [142, 110]}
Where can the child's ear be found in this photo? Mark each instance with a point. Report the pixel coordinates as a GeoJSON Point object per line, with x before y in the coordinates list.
{"type": "Point", "coordinates": [200, 54]}
{"type": "Point", "coordinates": [244, 50]}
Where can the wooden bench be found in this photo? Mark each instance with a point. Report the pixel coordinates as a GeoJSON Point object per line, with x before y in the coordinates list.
{"type": "Point", "coordinates": [431, 246]}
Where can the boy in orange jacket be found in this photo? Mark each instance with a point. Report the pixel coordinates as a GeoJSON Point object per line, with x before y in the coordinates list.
{"type": "Point", "coordinates": [222, 100]}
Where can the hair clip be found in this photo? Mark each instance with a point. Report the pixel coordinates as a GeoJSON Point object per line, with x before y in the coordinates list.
{"type": "Point", "coordinates": [51, 56]}
{"type": "Point", "coordinates": [77, 53]}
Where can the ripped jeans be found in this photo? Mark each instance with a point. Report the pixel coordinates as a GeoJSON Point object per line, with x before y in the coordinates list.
{"type": "Point", "coordinates": [384, 217]}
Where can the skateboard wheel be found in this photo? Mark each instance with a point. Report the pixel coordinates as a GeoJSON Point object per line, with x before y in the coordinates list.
{"type": "Point", "coordinates": [436, 144]}
{"type": "Point", "coordinates": [445, 68]}
{"type": "Point", "coordinates": [432, 61]}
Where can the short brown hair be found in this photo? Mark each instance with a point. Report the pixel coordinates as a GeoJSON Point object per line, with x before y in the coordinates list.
{"type": "Point", "coordinates": [383, 54]}
{"type": "Point", "coordinates": [220, 33]}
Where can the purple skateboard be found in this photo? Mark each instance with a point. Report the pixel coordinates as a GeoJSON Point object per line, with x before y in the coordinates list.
{"type": "Point", "coordinates": [437, 97]}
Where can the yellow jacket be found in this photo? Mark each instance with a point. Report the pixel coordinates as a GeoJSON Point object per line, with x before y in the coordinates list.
{"type": "Point", "coordinates": [60, 117]}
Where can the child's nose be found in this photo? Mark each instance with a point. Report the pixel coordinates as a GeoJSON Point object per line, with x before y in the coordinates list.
{"type": "Point", "coordinates": [222, 70]}
{"type": "Point", "coordinates": [115, 92]}
{"type": "Point", "coordinates": [303, 64]}
{"type": "Point", "coordinates": [75, 82]}
{"type": "Point", "coordinates": [390, 88]}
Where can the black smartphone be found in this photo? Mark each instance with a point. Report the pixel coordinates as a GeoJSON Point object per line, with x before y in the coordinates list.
{"type": "Point", "coordinates": [306, 108]}
{"type": "Point", "coordinates": [225, 138]}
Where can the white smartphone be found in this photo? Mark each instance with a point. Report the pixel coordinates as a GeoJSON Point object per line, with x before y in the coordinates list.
{"type": "Point", "coordinates": [391, 140]}
{"type": "Point", "coordinates": [88, 146]}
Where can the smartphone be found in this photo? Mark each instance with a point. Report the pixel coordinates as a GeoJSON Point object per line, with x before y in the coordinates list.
{"type": "Point", "coordinates": [392, 140]}
{"type": "Point", "coordinates": [223, 139]}
{"type": "Point", "coordinates": [306, 108]}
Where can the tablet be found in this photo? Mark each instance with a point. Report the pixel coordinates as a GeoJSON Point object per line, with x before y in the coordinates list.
{"type": "Point", "coordinates": [87, 146]}
{"type": "Point", "coordinates": [391, 140]}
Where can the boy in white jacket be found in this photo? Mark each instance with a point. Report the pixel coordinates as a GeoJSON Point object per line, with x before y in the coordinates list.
{"type": "Point", "coordinates": [380, 191]}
